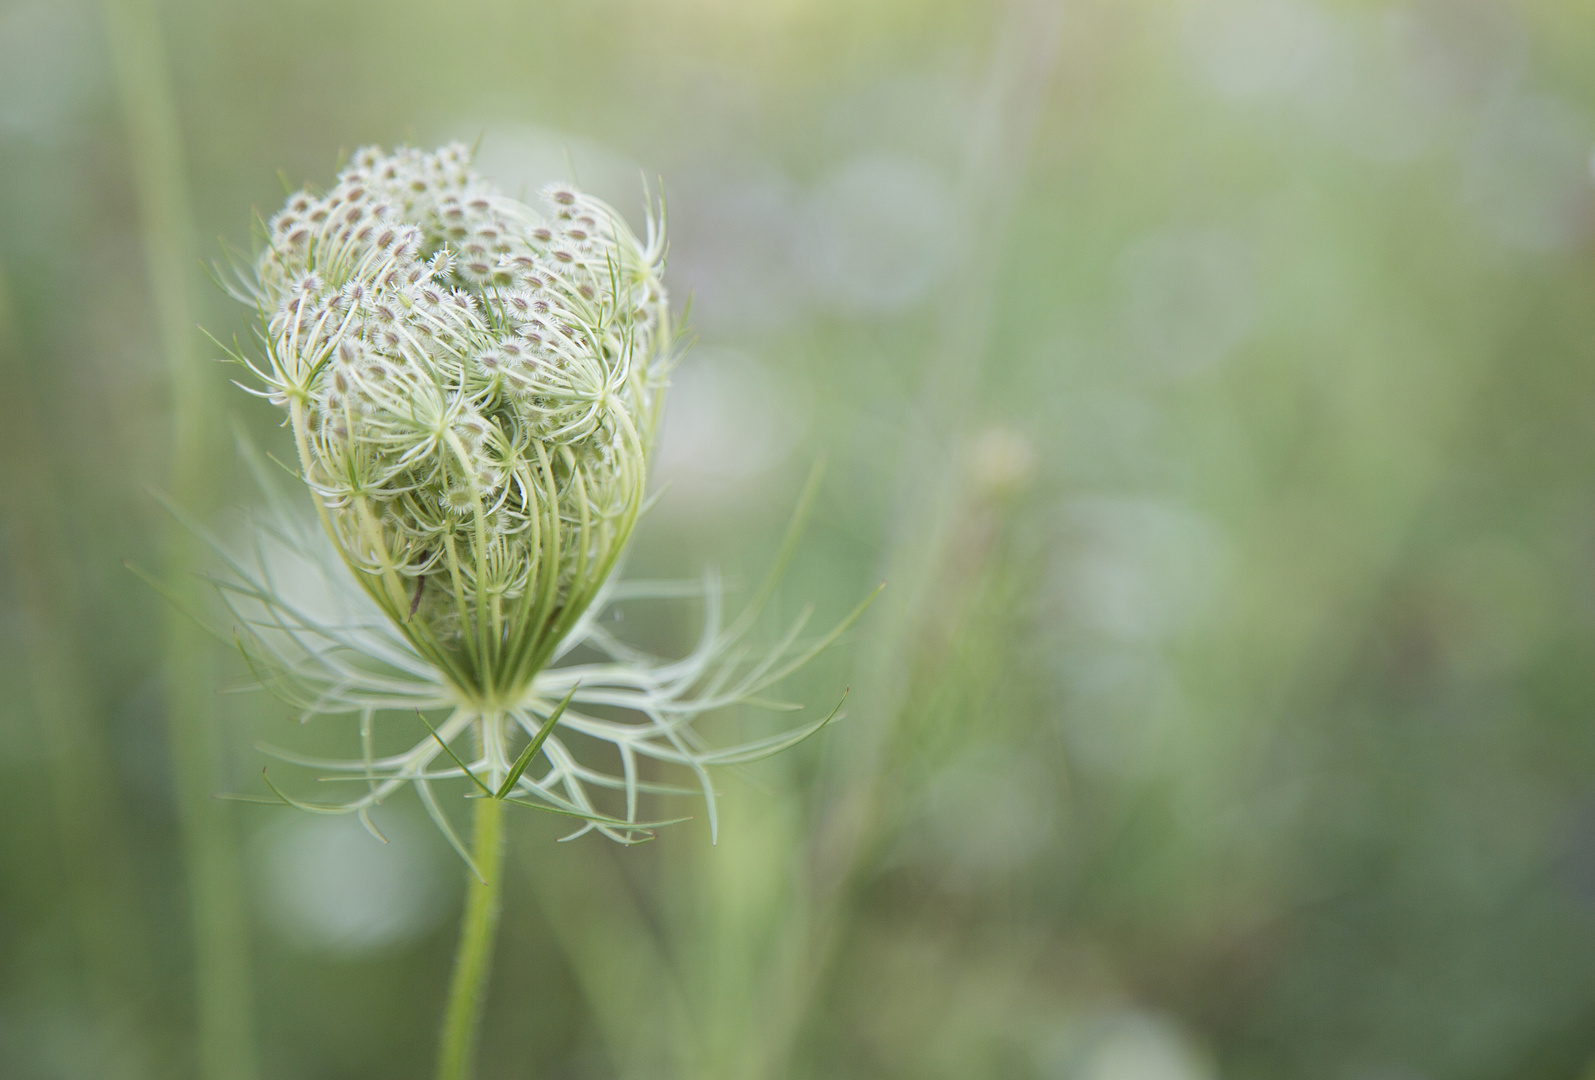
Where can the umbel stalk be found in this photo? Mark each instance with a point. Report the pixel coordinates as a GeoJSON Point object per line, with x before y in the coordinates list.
{"type": "Point", "coordinates": [473, 957]}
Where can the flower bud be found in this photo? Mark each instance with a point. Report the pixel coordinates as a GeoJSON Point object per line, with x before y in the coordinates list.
{"type": "Point", "coordinates": [473, 387]}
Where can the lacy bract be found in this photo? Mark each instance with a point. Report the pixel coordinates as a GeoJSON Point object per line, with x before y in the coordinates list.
{"type": "Point", "coordinates": [473, 387]}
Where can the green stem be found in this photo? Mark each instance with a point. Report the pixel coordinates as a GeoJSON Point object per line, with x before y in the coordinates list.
{"type": "Point", "coordinates": [222, 982]}
{"type": "Point", "coordinates": [473, 959]}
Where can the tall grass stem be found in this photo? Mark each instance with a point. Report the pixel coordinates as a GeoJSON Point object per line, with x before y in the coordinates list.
{"type": "Point", "coordinates": [223, 990]}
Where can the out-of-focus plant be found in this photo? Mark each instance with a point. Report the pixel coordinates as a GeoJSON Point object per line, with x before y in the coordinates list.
{"type": "Point", "coordinates": [473, 388]}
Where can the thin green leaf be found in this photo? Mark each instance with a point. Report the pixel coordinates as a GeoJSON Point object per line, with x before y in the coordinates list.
{"type": "Point", "coordinates": [463, 767]}
{"type": "Point", "coordinates": [534, 746]}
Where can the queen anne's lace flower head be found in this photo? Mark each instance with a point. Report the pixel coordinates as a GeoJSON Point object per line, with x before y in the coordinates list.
{"type": "Point", "coordinates": [473, 385]}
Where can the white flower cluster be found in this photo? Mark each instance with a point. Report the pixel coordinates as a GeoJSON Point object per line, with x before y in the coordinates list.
{"type": "Point", "coordinates": [473, 388]}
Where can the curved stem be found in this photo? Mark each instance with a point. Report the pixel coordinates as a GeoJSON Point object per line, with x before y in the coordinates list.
{"type": "Point", "coordinates": [473, 958]}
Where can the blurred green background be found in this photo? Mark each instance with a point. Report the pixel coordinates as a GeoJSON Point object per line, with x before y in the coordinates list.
{"type": "Point", "coordinates": [1210, 382]}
